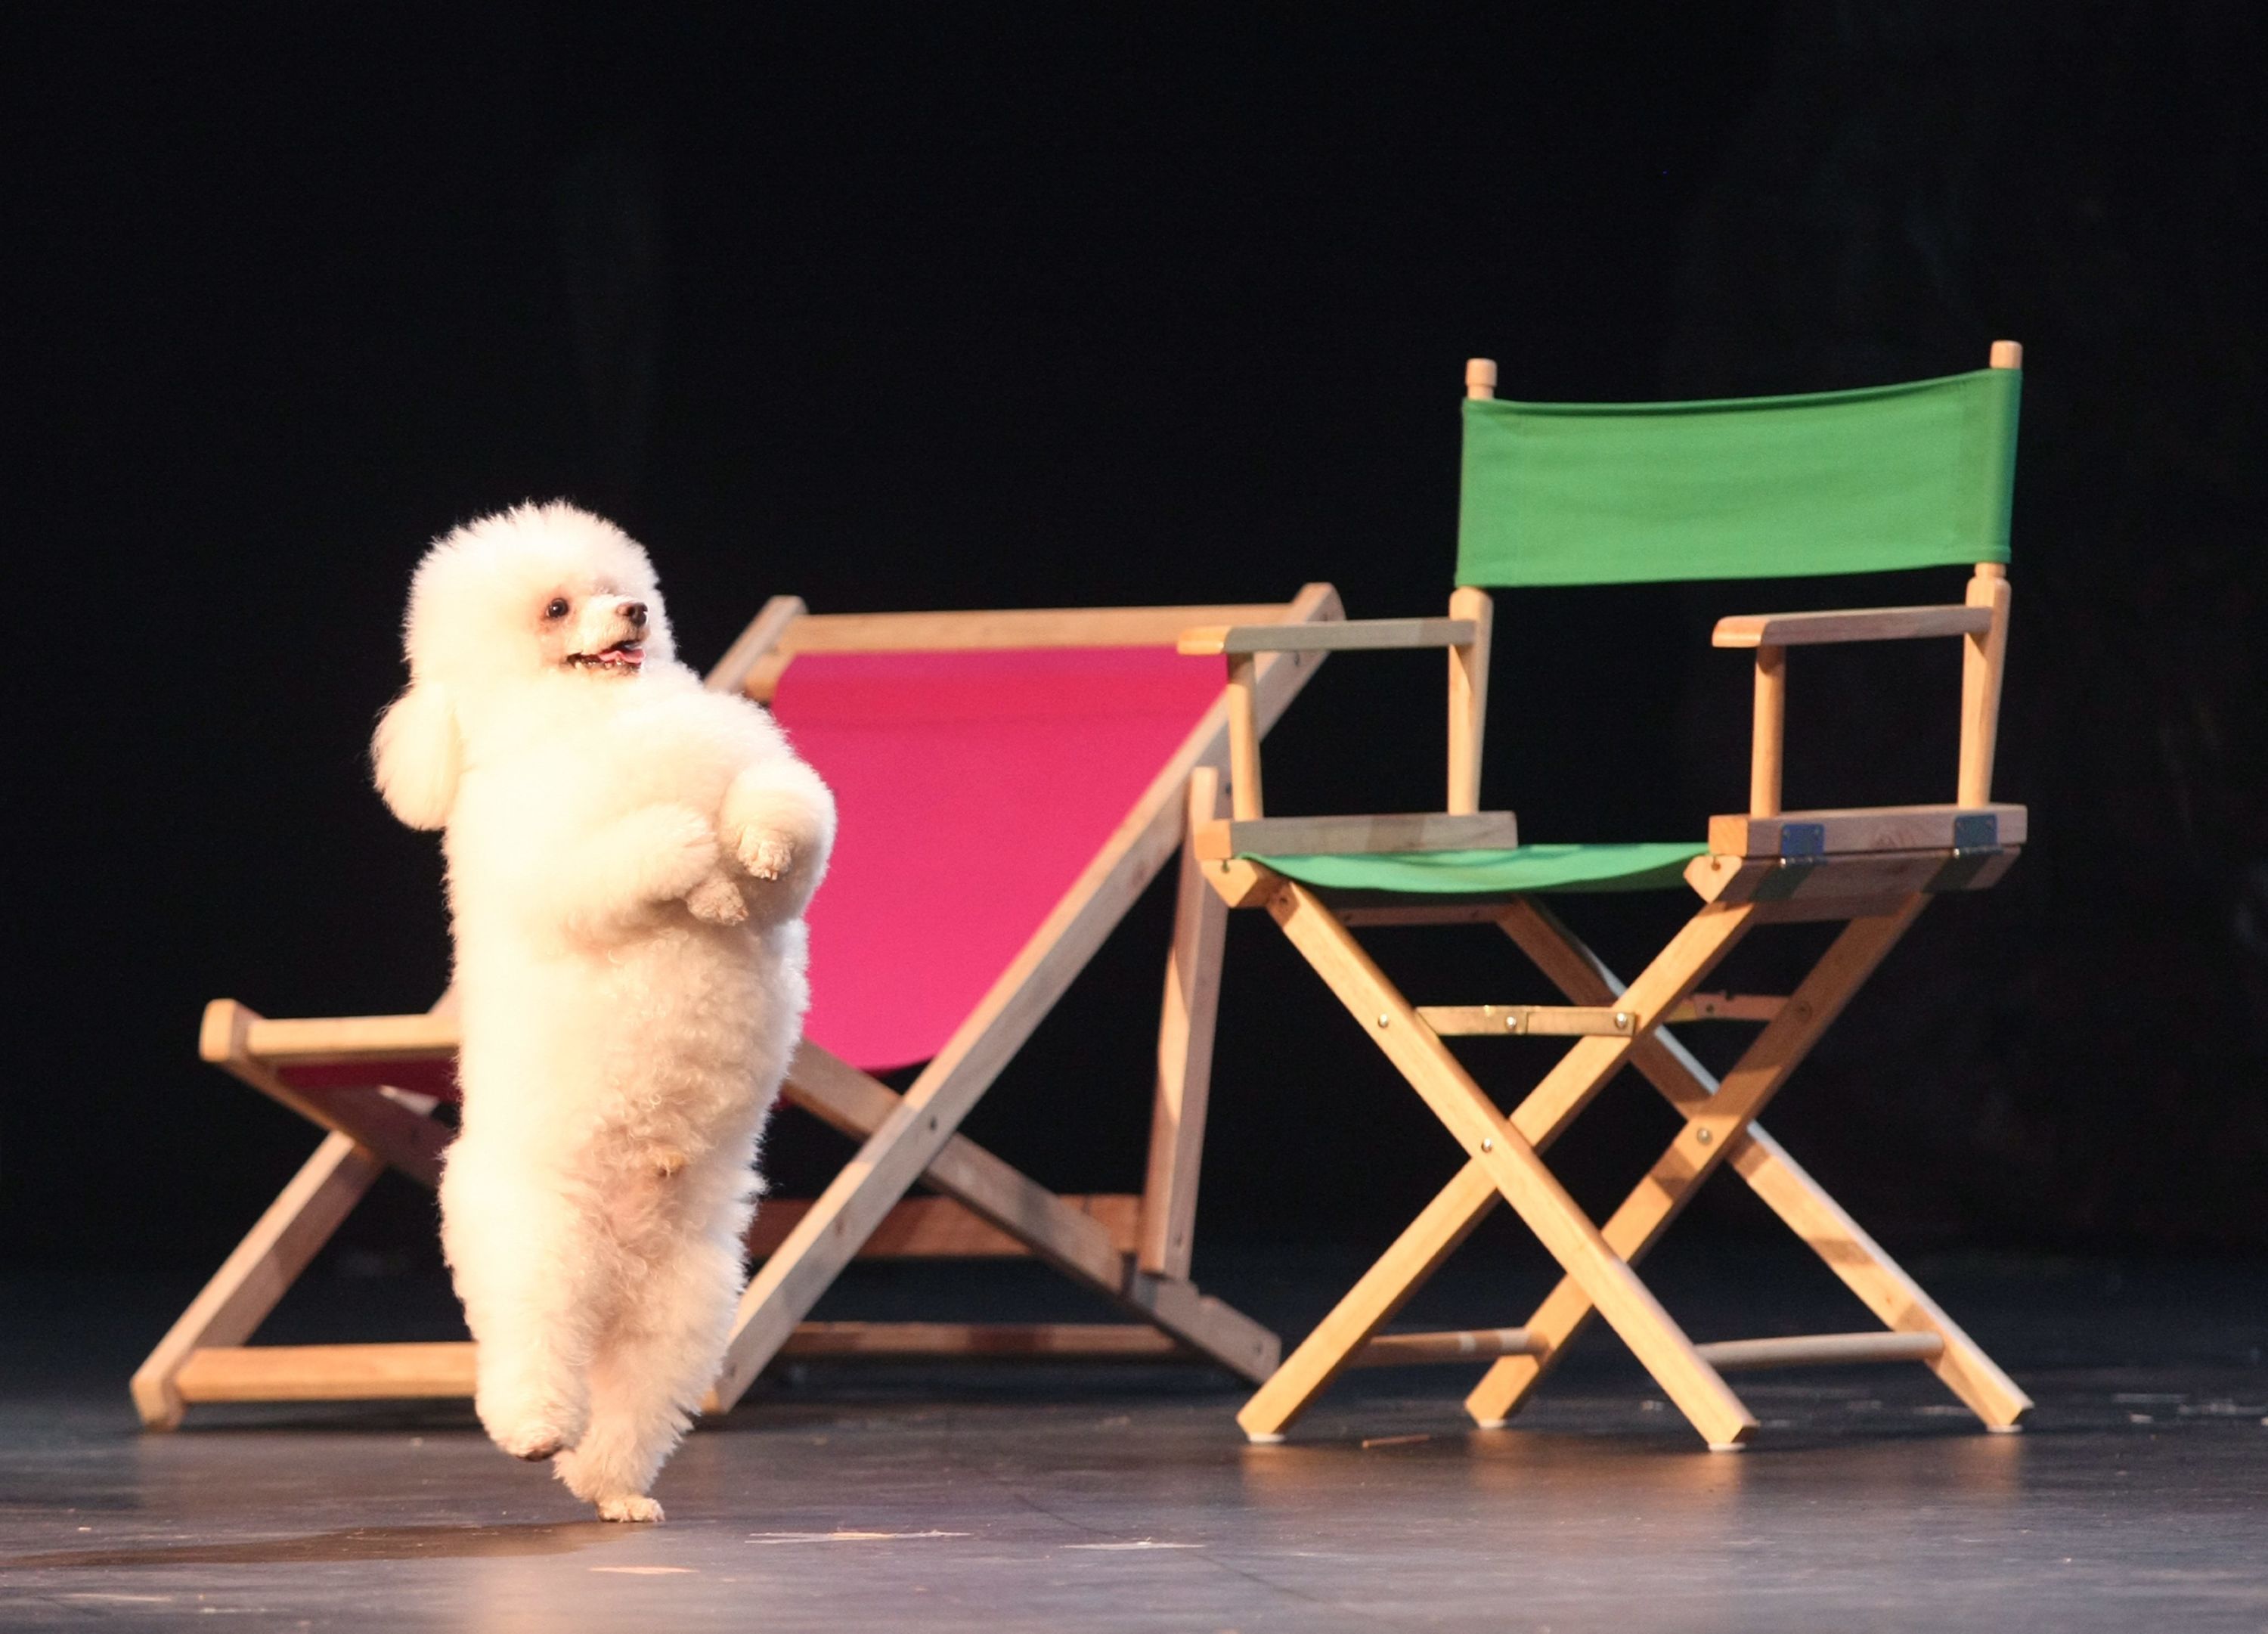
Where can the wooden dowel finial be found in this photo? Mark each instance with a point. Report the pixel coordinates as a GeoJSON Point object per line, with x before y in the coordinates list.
{"type": "Point", "coordinates": [2008, 355]}
{"type": "Point", "coordinates": [1480, 378]}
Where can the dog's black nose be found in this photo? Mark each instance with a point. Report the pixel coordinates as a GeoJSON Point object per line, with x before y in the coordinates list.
{"type": "Point", "coordinates": [633, 611]}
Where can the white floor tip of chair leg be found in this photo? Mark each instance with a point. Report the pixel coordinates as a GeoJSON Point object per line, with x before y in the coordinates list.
{"type": "Point", "coordinates": [1728, 1446]}
{"type": "Point", "coordinates": [1264, 1438]}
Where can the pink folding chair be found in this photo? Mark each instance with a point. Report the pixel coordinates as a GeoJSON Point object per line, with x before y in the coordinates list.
{"type": "Point", "coordinates": [1010, 782]}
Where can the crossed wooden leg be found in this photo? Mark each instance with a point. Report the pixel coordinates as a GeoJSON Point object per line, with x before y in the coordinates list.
{"type": "Point", "coordinates": [1503, 1162]}
{"type": "Point", "coordinates": [1720, 1128]}
{"type": "Point", "coordinates": [909, 1139]}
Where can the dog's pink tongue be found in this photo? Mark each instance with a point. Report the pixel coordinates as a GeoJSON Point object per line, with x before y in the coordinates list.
{"type": "Point", "coordinates": [633, 656]}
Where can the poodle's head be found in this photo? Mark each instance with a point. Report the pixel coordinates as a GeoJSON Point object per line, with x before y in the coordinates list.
{"type": "Point", "coordinates": [540, 595]}
{"type": "Point", "coordinates": [536, 591]}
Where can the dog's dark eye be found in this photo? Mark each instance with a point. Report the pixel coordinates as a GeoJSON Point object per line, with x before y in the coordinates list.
{"type": "Point", "coordinates": [558, 609]}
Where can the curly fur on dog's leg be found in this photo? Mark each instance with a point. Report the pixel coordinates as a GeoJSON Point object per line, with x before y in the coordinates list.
{"type": "Point", "coordinates": [649, 1374]}
{"type": "Point", "coordinates": [778, 821]}
{"type": "Point", "coordinates": [619, 874]}
{"type": "Point", "coordinates": [535, 1316]}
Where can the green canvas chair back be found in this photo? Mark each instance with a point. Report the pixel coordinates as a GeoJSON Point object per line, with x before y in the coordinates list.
{"type": "Point", "coordinates": [1855, 482]}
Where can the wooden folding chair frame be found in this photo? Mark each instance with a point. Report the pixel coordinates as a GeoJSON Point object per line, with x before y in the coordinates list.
{"type": "Point", "coordinates": [1135, 1251]}
{"type": "Point", "coordinates": [1874, 869]}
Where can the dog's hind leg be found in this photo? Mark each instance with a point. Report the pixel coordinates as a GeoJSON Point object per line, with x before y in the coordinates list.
{"type": "Point", "coordinates": [530, 1267]}
{"type": "Point", "coordinates": [650, 1373]}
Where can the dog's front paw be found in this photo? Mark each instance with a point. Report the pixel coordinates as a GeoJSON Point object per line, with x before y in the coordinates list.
{"type": "Point", "coordinates": [766, 853]}
{"type": "Point", "coordinates": [628, 1506]}
{"type": "Point", "coordinates": [717, 900]}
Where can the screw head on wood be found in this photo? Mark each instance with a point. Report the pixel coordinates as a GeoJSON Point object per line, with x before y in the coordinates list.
{"type": "Point", "coordinates": [1487, 1144]}
{"type": "Point", "coordinates": [1701, 1136]}
{"type": "Point", "coordinates": [1384, 1019]}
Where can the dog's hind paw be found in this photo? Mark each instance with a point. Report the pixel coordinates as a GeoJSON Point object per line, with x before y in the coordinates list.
{"type": "Point", "coordinates": [534, 1443]}
{"type": "Point", "coordinates": [632, 1507]}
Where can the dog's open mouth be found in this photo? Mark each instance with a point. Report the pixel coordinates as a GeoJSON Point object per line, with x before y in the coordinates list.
{"type": "Point", "coordinates": [624, 655]}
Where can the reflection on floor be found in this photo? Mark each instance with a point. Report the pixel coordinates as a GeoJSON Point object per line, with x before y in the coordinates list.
{"type": "Point", "coordinates": [997, 1499]}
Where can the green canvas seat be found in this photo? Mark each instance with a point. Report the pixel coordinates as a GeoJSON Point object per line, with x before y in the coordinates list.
{"type": "Point", "coordinates": [1888, 478]}
{"type": "Point", "coordinates": [1526, 870]}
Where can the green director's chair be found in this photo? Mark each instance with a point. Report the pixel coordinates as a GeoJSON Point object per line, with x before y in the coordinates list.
{"type": "Point", "coordinates": [1896, 477]}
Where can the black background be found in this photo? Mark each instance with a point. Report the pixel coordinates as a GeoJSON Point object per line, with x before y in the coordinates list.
{"type": "Point", "coordinates": [969, 306]}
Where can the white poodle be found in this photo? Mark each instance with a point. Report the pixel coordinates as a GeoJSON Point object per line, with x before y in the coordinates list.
{"type": "Point", "coordinates": [629, 858]}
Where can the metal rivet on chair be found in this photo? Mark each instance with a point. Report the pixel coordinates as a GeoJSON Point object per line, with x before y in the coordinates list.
{"type": "Point", "coordinates": [1487, 1144]}
{"type": "Point", "coordinates": [1701, 1136]}
{"type": "Point", "coordinates": [1621, 1020]}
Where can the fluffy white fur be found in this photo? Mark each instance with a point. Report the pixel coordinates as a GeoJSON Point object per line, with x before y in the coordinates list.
{"type": "Point", "coordinates": [629, 858]}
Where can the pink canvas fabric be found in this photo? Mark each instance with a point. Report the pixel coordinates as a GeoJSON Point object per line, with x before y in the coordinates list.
{"type": "Point", "coordinates": [974, 788]}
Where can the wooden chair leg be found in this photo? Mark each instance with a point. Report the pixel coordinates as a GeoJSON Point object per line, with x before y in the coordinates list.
{"type": "Point", "coordinates": [252, 1278]}
{"type": "Point", "coordinates": [1513, 1164]}
{"type": "Point", "coordinates": [1384, 1289]}
{"type": "Point", "coordinates": [1451, 1215]}
{"type": "Point", "coordinates": [1784, 1186]}
{"type": "Point", "coordinates": [1713, 1126]}
{"type": "Point", "coordinates": [1185, 1039]}
{"type": "Point", "coordinates": [1878, 1280]}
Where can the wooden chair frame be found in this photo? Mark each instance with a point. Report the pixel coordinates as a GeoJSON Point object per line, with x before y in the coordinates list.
{"type": "Point", "coordinates": [1875, 869]}
{"type": "Point", "coordinates": [1134, 1250]}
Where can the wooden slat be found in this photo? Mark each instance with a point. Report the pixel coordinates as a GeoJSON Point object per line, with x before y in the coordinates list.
{"type": "Point", "coordinates": [1515, 1020]}
{"type": "Point", "coordinates": [1844, 830]}
{"type": "Point", "coordinates": [317, 1040]}
{"type": "Point", "coordinates": [987, 1342]}
{"type": "Point", "coordinates": [1805, 630]}
{"type": "Point", "coordinates": [374, 1372]}
{"type": "Point", "coordinates": [1351, 634]}
{"type": "Point", "coordinates": [993, 629]}
{"type": "Point", "coordinates": [1392, 832]}
{"type": "Point", "coordinates": [941, 1228]}
{"type": "Point", "coordinates": [1411, 913]}
{"type": "Point", "coordinates": [327, 1373]}
{"type": "Point", "coordinates": [1398, 1349]}
{"type": "Point", "coordinates": [1823, 1350]}
{"type": "Point", "coordinates": [1183, 1086]}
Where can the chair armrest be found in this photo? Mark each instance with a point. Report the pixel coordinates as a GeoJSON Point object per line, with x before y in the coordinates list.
{"type": "Point", "coordinates": [1222, 839]}
{"type": "Point", "coordinates": [1340, 636]}
{"type": "Point", "coordinates": [1809, 630]}
{"type": "Point", "coordinates": [232, 1032]}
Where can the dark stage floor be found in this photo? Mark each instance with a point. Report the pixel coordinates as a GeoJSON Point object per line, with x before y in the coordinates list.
{"type": "Point", "coordinates": [995, 1498]}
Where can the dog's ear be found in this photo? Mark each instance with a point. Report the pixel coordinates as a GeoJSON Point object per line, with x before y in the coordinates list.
{"type": "Point", "coordinates": [417, 753]}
